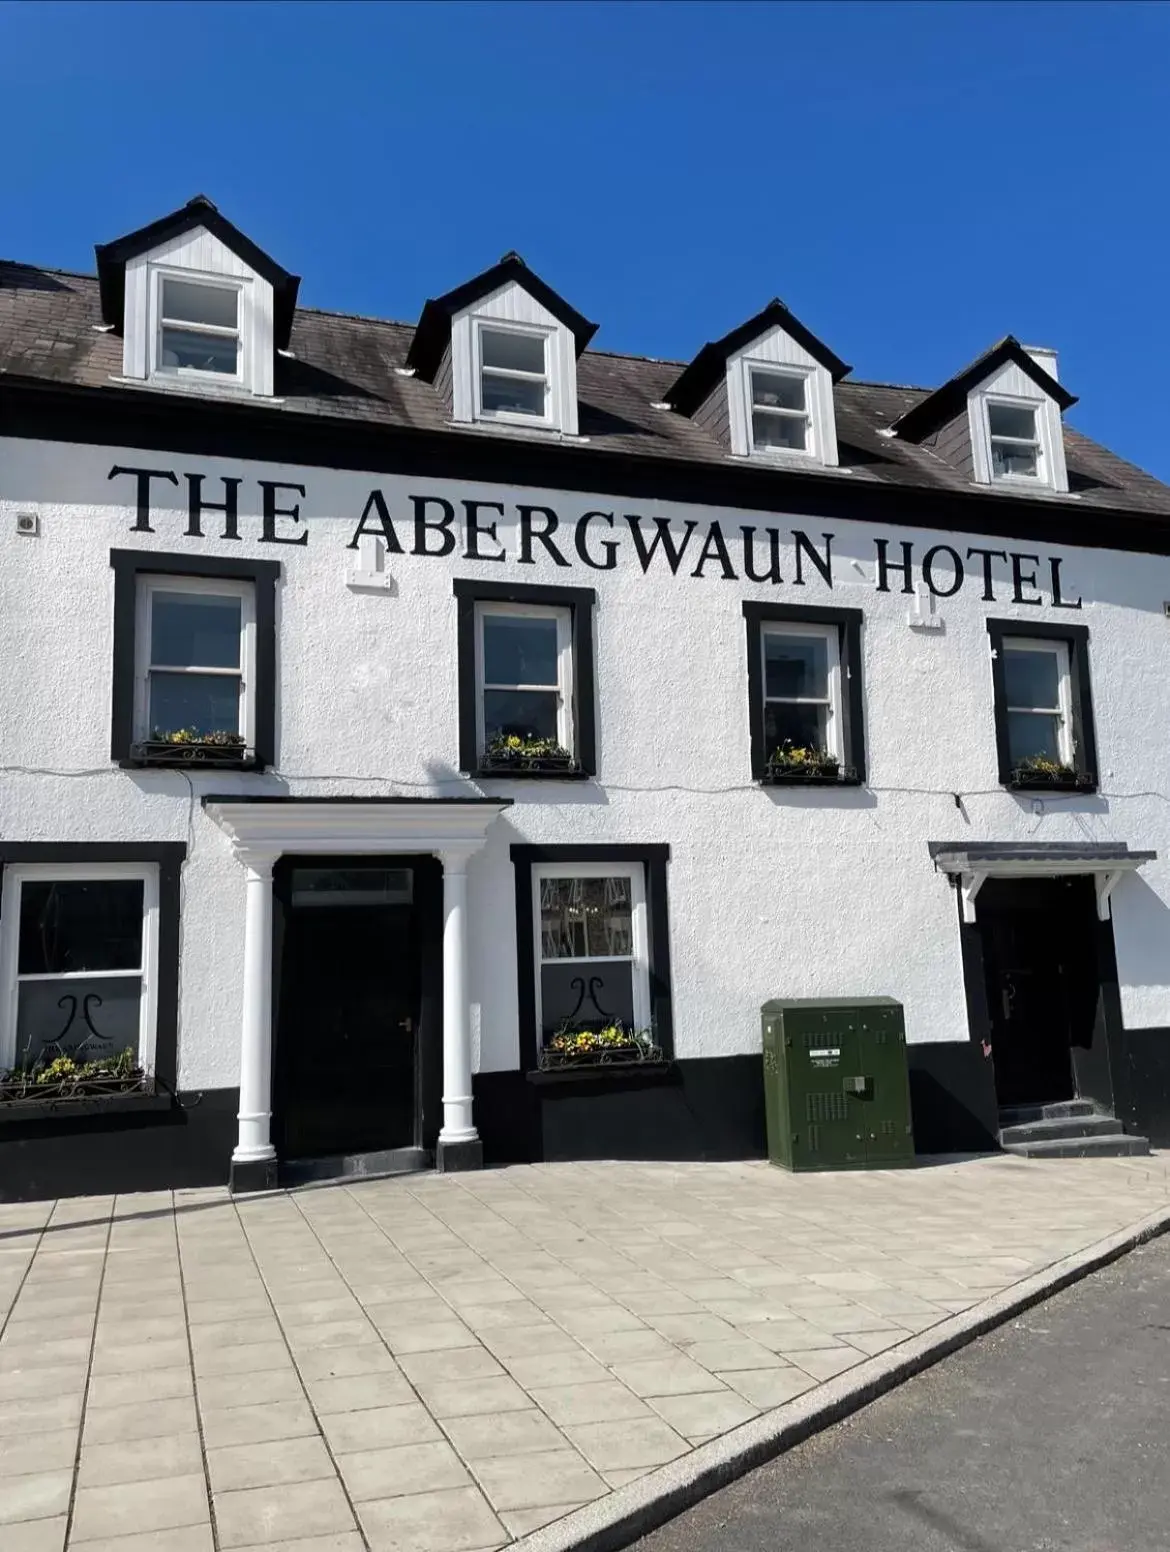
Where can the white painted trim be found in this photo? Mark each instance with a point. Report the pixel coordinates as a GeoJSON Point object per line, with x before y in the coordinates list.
{"type": "Point", "coordinates": [242, 376]}
{"type": "Point", "coordinates": [639, 959]}
{"type": "Point", "coordinates": [551, 416]}
{"type": "Point", "coordinates": [15, 876]}
{"type": "Point", "coordinates": [835, 729]}
{"type": "Point", "coordinates": [267, 830]}
{"type": "Point", "coordinates": [564, 685]}
{"type": "Point", "coordinates": [212, 587]}
{"type": "Point", "coordinates": [1060, 651]}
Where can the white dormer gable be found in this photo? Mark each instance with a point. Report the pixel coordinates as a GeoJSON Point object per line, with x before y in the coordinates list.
{"type": "Point", "coordinates": [780, 402]}
{"type": "Point", "coordinates": [198, 317]}
{"type": "Point", "coordinates": [513, 363]}
{"type": "Point", "coordinates": [1017, 440]}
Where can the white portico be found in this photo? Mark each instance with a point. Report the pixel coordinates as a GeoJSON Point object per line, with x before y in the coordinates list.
{"type": "Point", "coordinates": [264, 829]}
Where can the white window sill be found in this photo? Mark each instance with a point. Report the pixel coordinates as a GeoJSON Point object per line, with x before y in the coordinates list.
{"type": "Point", "coordinates": [535, 433]}
{"type": "Point", "coordinates": [232, 392]}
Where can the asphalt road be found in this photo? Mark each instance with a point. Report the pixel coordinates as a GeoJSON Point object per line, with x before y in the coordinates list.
{"type": "Point", "coordinates": [1050, 1435]}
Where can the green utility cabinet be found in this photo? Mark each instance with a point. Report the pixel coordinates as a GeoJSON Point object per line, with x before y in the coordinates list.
{"type": "Point", "coordinates": [836, 1088]}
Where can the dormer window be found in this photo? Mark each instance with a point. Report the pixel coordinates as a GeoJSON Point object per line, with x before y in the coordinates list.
{"type": "Point", "coordinates": [502, 350]}
{"type": "Point", "coordinates": [513, 374]}
{"type": "Point", "coordinates": [780, 417]}
{"type": "Point", "coordinates": [199, 306]}
{"type": "Point", "coordinates": [198, 328]}
{"type": "Point", "coordinates": [998, 420]}
{"type": "Point", "coordinates": [765, 391]}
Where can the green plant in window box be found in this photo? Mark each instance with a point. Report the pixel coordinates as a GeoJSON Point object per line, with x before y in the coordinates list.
{"type": "Point", "coordinates": [525, 752]}
{"type": "Point", "coordinates": [611, 1045]}
{"type": "Point", "coordinates": [193, 746]}
{"type": "Point", "coordinates": [1041, 770]}
{"type": "Point", "coordinates": [63, 1077]}
{"type": "Point", "coordinates": [801, 763]}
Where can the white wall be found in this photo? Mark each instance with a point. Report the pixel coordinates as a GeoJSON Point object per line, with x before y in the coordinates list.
{"type": "Point", "coordinates": [771, 893]}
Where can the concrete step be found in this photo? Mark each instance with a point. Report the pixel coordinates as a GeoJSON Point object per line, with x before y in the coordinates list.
{"type": "Point", "coordinates": [354, 1166]}
{"type": "Point", "coordinates": [1018, 1115]}
{"type": "Point", "coordinates": [1118, 1145]}
{"type": "Point", "coordinates": [1055, 1127]}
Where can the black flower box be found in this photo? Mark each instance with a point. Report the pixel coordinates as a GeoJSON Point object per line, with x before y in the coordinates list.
{"type": "Point", "coordinates": [22, 1099]}
{"type": "Point", "coordinates": [529, 765]}
{"type": "Point", "coordinates": [165, 751]}
{"type": "Point", "coordinates": [630, 1055]}
{"type": "Point", "coordinates": [1052, 781]}
{"type": "Point", "coordinates": [808, 776]}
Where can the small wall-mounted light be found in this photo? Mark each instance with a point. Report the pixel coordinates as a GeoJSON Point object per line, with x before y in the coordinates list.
{"type": "Point", "coordinates": [28, 524]}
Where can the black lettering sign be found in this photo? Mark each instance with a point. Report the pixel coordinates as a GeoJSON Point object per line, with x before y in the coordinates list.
{"type": "Point", "coordinates": [270, 512]}
{"type": "Point", "coordinates": [376, 507]}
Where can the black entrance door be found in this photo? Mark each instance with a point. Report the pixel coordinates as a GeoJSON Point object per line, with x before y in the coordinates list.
{"type": "Point", "coordinates": [1040, 965]}
{"type": "Point", "coordinates": [346, 1069]}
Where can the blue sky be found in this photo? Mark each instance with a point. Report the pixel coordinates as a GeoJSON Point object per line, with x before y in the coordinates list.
{"type": "Point", "coordinates": [913, 180]}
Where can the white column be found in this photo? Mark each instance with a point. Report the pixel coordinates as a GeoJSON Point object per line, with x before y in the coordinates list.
{"type": "Point", "coordinates": [458, 1126]}
{"type": "Point", "coordinates": [255, 1113]}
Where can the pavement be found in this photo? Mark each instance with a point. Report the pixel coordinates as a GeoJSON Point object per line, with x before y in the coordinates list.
{"type": "Point", "coordinates": [1049, 1435]}
{"type": "Point", "coordinates": [448, 1363]}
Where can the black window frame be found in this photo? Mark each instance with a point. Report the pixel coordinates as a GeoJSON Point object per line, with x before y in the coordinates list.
{"type": "Point", "coordinates": [169, 857]}
{"type": "Point", "coordinates": [1084, 737]}
{"type": "Point", "coordinates": [580, 602]}
{"type": "Point", "coordinates": [654, 858]}
{"type": "Point", "coordinates": [848, 623]}
{"type": "Point", "coordinates": [129, 566]}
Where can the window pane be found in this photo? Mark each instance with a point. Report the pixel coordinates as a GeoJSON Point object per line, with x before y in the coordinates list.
{"type": "Point", "coordinates": [1031, 678]}
{"type": "Point", "coordinates": [183, 348]}
{"type": "Point", "coordinates": [526, 713]}
{"type": "Point", "coordinates": [1012, 458]}
{"type": "Point", "coordinates": [804, 727]}
{"type": "Point", "coordinates": [191, 630]}
{"type": "Point", "coordinates": [779, 389]}
{"type": "Point", "coordinates": [586, 996]}
{"type": "Point", "coordinates": [513, 352]}
{"type": "Point", "coordinates": [87, 1019]}
{"type": "Point", "coordinates": [80, 924]}
{"type": "Point", "coordinates": [185, 302]}
{"type": "Point", "coordinates": [209, 703]}
{"type": "Point", "coordinates": [1011, 420]}
{"type": "Point", "coordinates": [796, 666]}
{"type": "Point", "coordinates": [513, 395]}
{"type": "Point", "coordinates": [1030, 734]}
{"type": "Point", "coordinates": [519, 649]}
{"type": "Point", "coordinates": [581, 917]}
{"type": "Point", "coordinates": [352, 886]}
{"type": "Point", "coordinates": [789, 431]}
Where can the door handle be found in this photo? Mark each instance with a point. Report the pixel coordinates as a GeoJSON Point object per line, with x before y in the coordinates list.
{"type": "Point", "coordinates": [1007, 1003]}
{"type": "Point", "coordinates": [406, 1025]}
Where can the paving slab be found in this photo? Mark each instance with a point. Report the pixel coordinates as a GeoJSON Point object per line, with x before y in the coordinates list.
{"type": "Point", "coordinates": [542, 1352]}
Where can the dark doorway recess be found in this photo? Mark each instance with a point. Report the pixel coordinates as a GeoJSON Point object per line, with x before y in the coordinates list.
{"type": "Point", "coordinates": [1048, 974]}
{"type": "Point", "coordinates": [357, 1005]}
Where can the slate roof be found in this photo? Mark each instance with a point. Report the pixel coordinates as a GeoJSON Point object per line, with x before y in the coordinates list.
{"type": "Point", "coordinates": [345, 369]}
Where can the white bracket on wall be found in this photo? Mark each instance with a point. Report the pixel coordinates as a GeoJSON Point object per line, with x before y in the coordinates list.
{"type": "Point", "coordinates": [367, 572]}
{"type": "Point", "coordinates": [1105, 883]}
{"type": "Point", "coordinates": [924, 615]}
{"type": "Point", "coordinates": [969, 886]}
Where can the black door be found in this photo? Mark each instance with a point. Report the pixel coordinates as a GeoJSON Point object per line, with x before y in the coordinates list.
{"type": "Point", "coordinates": [346, 1073]}
{"type": "Point", "coordinates": [1040, 967]}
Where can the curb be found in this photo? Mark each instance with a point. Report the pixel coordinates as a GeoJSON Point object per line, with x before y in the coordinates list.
{"type": "Point", "coordinates": [629, 1512]}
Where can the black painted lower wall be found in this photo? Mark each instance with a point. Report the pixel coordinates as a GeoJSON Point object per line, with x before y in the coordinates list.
{"type": "Point", "coordinates": [187, 1145]}
{"type": "Point", "coordinates": [711, 1109]}
{"type": "Point", "coordinates": [704, 1109]}
{"type": "Point", "coordinates": [1140, 1059]}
